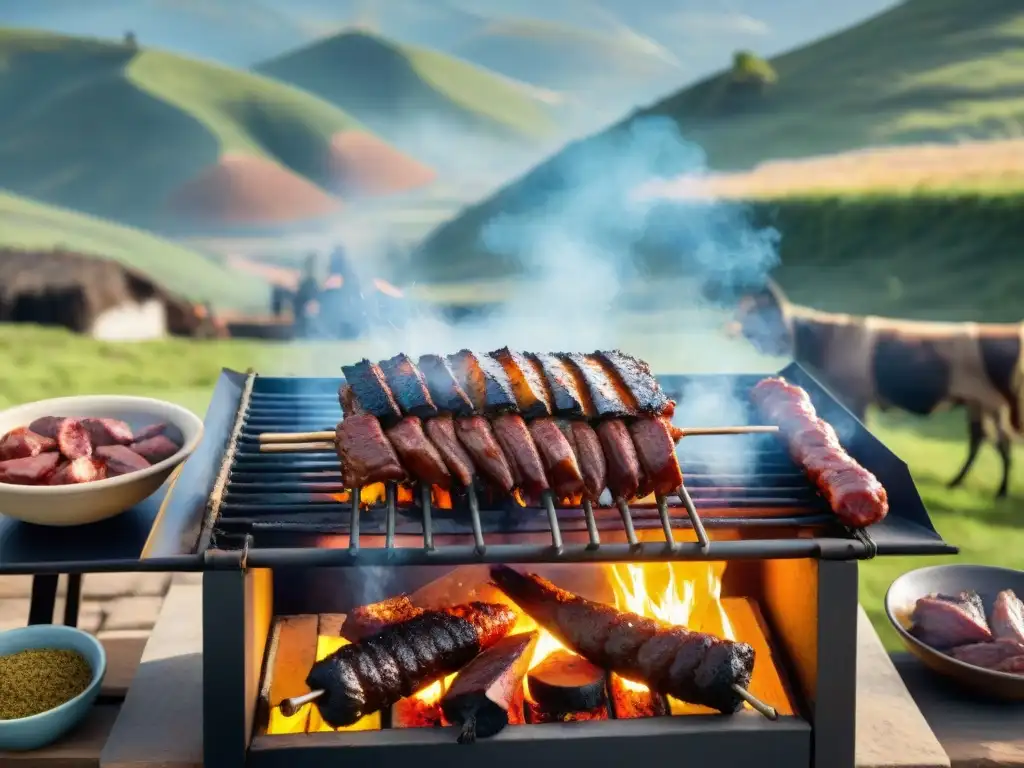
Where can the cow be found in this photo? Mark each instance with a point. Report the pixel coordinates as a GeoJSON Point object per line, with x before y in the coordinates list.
{"type": "Point", "coordinates": [915, 366]}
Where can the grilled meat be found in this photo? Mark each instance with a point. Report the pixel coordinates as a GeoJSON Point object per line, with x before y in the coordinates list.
{"type": "Point", "coordinates": [417, 453]}
{"type": "Point", "coordinates": [634, 376]}
{"type": "Point", "coordinates": [855, 495]}
{"type": "Point", "coordinates": [120, 459]}
{"type": "Point", "coordinates": [558, 456]}
{"type": "Point", "coordinates": [527, 380]}
{"type": "Point", "coordinates": [21, 443]}
{"type": "Point", "coordinates": [30, 470]}
{"type": "Point", "coordinates": [365, 453]}
{"type": "Point", "coordinates": [691, 666]}
{"type": "Point", "coordinates": [47, 426]}
{"type": "Point", "coordinates": [73, 439]}
{"type": "Point", "coordinates": [474, 432]}
{"type": "Point", "coordinates": [943, 621]}
{"type": "Point", "coordinates": [568, 398]}
{"type": "Point", "coordinates": [589, 456]}
{"type": "Point", "coordinates": [441, 431]}
{"type": "Point", "coordinates": [84, 469]}
{"type": "Point", "coordinates": [408, 386]}
{"type": "Point", "coordinates": [657, 454]}
{"type": "Point", "coordinates": [523, 457]}
{"type": "Point", "coordinates": [367, 620]}
{"type": "Point", "coordinates": [372, 674]}
{"type": "Point", "coordinates": [610, 401]}
{"type": "Point", "coordinates": [624, 472]}
{"type": "Point", "coordinates": [484, 380]}
{"type": "Point", "coordinates": [987, 655]}
{"type": "Point", "coordinates": [155, 449]}
{"type": "Point", "coordinates": [370, 389]}
{"type": "Point", "coordinates": [444, 388]}
{"type": "Point", "coordinates": [109, 432]}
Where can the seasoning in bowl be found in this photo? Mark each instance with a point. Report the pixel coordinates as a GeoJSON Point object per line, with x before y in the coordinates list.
{"type": "Point", "coordinates": [40, 679]}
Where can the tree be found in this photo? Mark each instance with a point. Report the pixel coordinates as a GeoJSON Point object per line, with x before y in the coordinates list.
{"type": "Point", "coordinates": [749, 69]}
{"type": "Point", "coordinates": [130, 41]}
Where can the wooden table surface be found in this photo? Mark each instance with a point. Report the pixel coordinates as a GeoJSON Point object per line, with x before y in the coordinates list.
{"type": "Point", "coordinates": [975, 733]}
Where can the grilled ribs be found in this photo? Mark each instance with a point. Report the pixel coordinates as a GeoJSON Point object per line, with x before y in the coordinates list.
{"type": "Point", "coordinates": [518, 420]}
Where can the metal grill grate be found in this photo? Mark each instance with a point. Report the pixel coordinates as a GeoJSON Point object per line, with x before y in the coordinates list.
{"type": "Point", "coordinates": [274, 500]}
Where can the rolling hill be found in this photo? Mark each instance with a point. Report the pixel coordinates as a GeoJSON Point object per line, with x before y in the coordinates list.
{"type": "Point", "coordinates": [27, 224]}
{"type": "Point", "coordinates": [412, 96]}
{"type": "Point", "coordinates": [927, 70]}
{"type": "Point", "coordinates": [124, 133]}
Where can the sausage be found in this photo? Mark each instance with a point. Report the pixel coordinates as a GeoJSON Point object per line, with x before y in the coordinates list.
{"type": "Point", "coordinates": [374, 673]}
{"type": "Point", "coordinates": [441, 431]}
{"type": "Point", "coordinates": [624, 472]}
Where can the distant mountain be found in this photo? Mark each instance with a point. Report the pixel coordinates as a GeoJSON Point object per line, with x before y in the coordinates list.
{"type": "Point", "coordinates": [157, 139]}
{"type": "Point", "coordinates": [926, 70]}
{"type": "Point", "coordinates": [420, 100]}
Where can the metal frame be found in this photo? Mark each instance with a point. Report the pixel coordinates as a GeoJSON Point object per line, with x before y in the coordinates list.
{"type": "Point", "coordinates": [236, 625]}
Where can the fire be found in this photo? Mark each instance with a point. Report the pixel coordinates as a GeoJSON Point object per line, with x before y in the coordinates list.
{"type": "Point", "coordinates": [387, 288]}
{"type": "Point", "coordinates": [376, 493]}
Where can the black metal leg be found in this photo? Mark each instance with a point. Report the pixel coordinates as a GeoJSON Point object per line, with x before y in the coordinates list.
{"type": "Point", "coordinates": [73, 600]}
{"type": "Point", "coordinates": [44, 598]}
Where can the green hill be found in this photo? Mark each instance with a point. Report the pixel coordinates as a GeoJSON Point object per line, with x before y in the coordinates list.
{"type": "Point", "coordinates": [926, 70]}
{"type": "Point", "coordinates": [113, 130]}
{"type": "Point", "coordinates": [395, 89]}
{"type": "Point", "coordinates": [29, 224]}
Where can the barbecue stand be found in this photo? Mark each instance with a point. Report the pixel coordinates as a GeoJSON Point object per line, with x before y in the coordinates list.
{"type": "Point", "coordinates": [276, 536]}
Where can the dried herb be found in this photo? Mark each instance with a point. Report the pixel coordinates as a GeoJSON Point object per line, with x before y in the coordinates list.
{"type": "Point", "coordinates": [39, 680]}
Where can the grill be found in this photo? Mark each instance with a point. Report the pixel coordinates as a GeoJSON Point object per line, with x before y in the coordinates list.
{"type": "Point", "coordinates": [287, 552]}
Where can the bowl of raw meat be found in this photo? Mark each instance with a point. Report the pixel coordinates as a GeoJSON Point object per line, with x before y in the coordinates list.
{"type": "Point", "coordinates": [76, 460]}
{"type": "Point", "coordinates": [965, 622]}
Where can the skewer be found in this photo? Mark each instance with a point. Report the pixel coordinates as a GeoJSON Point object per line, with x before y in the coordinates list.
{"type": "Point", "coordinates": [627, 522]}
{"type": "Point", "coordinates": [666, 523]}
{"type": "Point", "coordinates": [291, 706]}
{"type": "Point", "coordinates": [474, 519]}
{"type": "Point", "coordinates": [695, 521]}
{"type": "Point", "coordinates": [747, 696]}
{"type": "Point", "coordinates": [548, 500]}
{"type": "Point", "coordinates": [428, 526]}
{"type": "Point", "coordinates": [297, 442]}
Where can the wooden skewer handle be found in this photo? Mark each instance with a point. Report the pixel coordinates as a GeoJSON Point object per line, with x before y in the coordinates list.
{"type": "Point", "coordinates": [296, 437]}
{"type": "Point", "coordinates": [297, 447]}
{"type": "Point", "coordinates": [699, 431]}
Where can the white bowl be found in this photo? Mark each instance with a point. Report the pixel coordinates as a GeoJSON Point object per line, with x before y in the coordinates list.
{"type": "Point", "coordinates": [64, 505]}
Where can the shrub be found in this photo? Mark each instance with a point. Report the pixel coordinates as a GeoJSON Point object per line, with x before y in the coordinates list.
{"type": "Point", "coordinates": [750, 69]}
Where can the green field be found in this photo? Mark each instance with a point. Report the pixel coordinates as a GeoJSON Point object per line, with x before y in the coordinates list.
{"type": "Point", "coordinates": [193, 275]}
{"type": "Point", "coordinates": [113, 130]}
{"type": "Point", "coordinates": [391, 87]}
{"type": "Point", "coordinates": [50, 363]}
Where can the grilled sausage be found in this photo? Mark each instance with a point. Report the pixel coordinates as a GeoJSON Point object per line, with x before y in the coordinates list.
{"type": "Point", "coordinates": [374, 673]}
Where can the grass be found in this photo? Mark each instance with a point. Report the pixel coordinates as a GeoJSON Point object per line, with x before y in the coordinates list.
{"type": "Point", "coordinates": [391, 86]}
{"type": "Point", "coordinates": [112, 130]}
{"type": "Point", "coordinates": [31, 225]}
{"type": "Point", "coordinates": [925, 70]}
{"type": "Point", "coordinates": [51, 363]}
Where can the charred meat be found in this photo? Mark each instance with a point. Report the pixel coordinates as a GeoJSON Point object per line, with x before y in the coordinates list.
{"type": "Point", "coordinates": [484, 380]}
{"type": "Point", "coordinates": [633, 375]}
{"type": "Point", "coordinates": [624, 471]}
{"type": "Point", "coordinates": [374, 673]}
{"type": "Point", "coordinates": [474, 432]}
{"type": "Point", "coordinates": [527, 381]}
{"type": "Point", "coordinates": [988, 655]}
{"type": "Point", "coordinates": [441, 431]}
{"type": "Point", "coordinates": [417, 453]}
{"type": "Point", "coordinates": [656, 452]}
{"type": "Point", "coordinates": [371, 391]}
{"type": "Point", "coordinates": [522, 454]}
{"type": "Point", "coordinates": [558, 457]}
{"type": "Point", "coordinates": [444, 388]}
{"type": "Point", "coordinates": [367, 620]}
{"type": "Point", "coordinates": [408, 386]}
{"type": "Point", "coordinates": [691, 666]}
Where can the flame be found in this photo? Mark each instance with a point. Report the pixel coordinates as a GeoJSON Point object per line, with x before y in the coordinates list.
{"type": "Point", "coordinates": [376, 493]}
{"type": "Point", "coordinates": [387, 288]}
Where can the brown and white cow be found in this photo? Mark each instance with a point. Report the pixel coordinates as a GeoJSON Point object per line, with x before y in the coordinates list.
{"type": "Point", "coordinates": [918, 367]}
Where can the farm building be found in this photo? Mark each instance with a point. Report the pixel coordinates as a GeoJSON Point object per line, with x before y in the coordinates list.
{"type": "Point", "coordinates": [98, 297]}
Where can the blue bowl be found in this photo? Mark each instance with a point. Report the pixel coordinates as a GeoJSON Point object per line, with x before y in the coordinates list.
{"type": "Point", "coordinates": [45, 728]}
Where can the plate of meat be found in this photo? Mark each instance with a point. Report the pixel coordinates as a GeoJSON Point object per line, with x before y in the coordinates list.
{"type": "Point", "coordinates": [965, 622]}
{"type": "Point", "coordinates": [76, 460]}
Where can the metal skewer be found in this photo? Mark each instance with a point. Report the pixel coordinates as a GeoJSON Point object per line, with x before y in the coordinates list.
{"type": "Point", "coordinates": [764, 709]}
{"type": "Point", "coordinates": [291, 706]}
{"type": "Point", "coordinates": [695, 521]}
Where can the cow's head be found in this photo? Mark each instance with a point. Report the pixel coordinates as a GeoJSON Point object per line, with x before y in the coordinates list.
{"type": "Point", "coordinates": [761, 317]}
